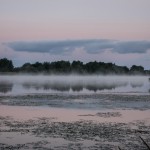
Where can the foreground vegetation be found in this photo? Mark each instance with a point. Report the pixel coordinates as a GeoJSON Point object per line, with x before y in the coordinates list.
{"type": "Point", "coordinates": [77, 67]}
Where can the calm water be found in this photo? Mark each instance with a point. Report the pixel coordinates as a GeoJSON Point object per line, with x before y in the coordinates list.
{"type": "Point", "coordinates": [74, 112]}
{"type": "Point", "coordinates": [73, 84]}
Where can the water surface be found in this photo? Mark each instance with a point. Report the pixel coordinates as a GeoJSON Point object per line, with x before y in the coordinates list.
{"type": "Point", "coordinates": [74, 112]}
{"type": "Point", "coordinates": [73, 84]}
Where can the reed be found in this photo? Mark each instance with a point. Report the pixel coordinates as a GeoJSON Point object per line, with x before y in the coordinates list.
{"type": "Point", "coordinates": [119, 148]}
{"type": "Point", "coordinates": [145, 143]}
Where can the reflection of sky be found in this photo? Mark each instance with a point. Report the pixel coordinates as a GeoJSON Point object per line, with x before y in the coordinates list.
{"type": "Point", "coordinates": [73, 84]}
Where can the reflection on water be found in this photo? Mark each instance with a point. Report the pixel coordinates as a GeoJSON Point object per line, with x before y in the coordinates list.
{"type": "Point", "coordinates": [94, 117]}
{"type": "Point", "coordinates": [55, 128]}
{"type": "Point", "coordinates": [69, 86]}
{"type": "Point", "coordinates": [137, 84]}
{"type": "Point", "coordinates": [33, 84]}
{"type": "Point", "coordinates": [5, 87]}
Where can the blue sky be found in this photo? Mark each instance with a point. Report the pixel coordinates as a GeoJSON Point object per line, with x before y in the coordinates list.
{"type": "Point", "coordinates": [115, 31]}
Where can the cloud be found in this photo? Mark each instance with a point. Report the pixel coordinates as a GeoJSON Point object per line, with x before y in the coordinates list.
{"type": "Point", "coordinates": [60, 47]}
{"type": "Point", "coordinates": [132, 47]}
{"type": "Point", "coordinates": [5, 51]}
{"type": "Point", "coordinates": [110, 51]}
{"type": "Point", "coordinates": [90, 46]}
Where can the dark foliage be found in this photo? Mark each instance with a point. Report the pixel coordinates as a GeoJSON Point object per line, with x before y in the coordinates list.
{"type": "Point", "coordinates": [6, 65]}
{"type": "Point", "coordinates": [137, 69]}
{"type": "Point", "coordinates": [76, 67]}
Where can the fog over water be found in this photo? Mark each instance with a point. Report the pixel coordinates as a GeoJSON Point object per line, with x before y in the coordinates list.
{"type": "Point", "coordinates": [25, 84]}
{"type": "Point", "coordinates": [74, 112]}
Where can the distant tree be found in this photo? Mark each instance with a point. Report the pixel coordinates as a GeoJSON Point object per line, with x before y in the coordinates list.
{"type": "Point", "coordinates": [26, 65]}
{"type": "Point", "coordinates": [137, 69]}
{"type": "Point", "coordinates": [27, 68]}
{"type": "Point", "coordinates": [46, 66]}
{"type": "Point", "coordinates": [6, 65]}
{"type": "Point", "coordinates": [110, 68]}
{"type": "Point", "coordinates": [92, 67]}
{"type": "Point", "coordinates": [60, 67]}
{"type": "Point", "coordinates": [65, 67]}
{"type": "Point", "coordinates": [125, 69]}
{"type": "Point", "coordinates": [77, 67]}
{"type": "Point", "coordinates": [38, 67]}
{"type": "Point", "coordinates": [120, 69]}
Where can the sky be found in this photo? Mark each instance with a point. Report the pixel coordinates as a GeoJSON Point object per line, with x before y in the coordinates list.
{"type": "Point", "coordinates": [116, 31]}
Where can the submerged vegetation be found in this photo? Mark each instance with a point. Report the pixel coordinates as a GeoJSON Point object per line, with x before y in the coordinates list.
{"type": "Point", "coordinates": [75, 67]}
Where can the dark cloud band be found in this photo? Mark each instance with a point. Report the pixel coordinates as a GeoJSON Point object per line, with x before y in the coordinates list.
{"type": "Point", "coordinates": [90, 46]}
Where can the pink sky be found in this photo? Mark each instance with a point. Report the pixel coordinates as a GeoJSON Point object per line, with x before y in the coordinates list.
{"type": "Point", "coordinates": [69, 19]}
{"type": "Point", "coordinates": [49, 20]}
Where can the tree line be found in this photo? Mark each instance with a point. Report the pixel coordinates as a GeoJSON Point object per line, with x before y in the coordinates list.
{"type": "Point", "coordinates": [75, 67]}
